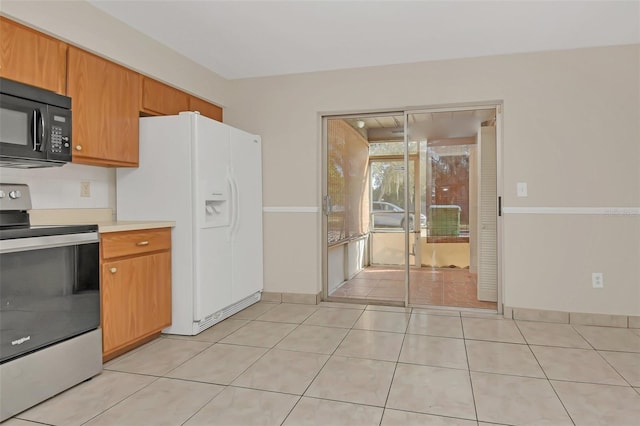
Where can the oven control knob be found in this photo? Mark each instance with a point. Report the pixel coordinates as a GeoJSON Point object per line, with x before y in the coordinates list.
{"type": "Point", "coordinates": [15, 194]}
{"type": "Point", "coordinates": [2, 194]}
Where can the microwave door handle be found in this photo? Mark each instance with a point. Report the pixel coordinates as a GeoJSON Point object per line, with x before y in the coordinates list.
{"type": "Point", "coordinates": [38, 137]}
{"type": "Point", "coordinates": [41, 131]}
{"type": "Point", "coordinates": [35, 129]}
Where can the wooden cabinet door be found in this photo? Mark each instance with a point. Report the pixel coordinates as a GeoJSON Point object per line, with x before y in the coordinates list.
{"type": "Point", "coordinates": [105, 101]}
{"type": "Point", "coordinates": [120, 299]}
{"type": "Point", "coordinates": [160, 99]}
{"type": "Point", "coordinates": [31, 57]}
{"type": "Point", "coordinates": [136, 299]}
{"type": "Point", "coordinates": [205, 108]}
{"type": "Point", "coordinates": [155, 292]}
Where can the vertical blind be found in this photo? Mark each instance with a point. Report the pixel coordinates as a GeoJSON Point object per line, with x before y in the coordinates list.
{"type": "Point", "coordinates": [347, 182]}
{"type": "Point", "coordinates": [488, 202]}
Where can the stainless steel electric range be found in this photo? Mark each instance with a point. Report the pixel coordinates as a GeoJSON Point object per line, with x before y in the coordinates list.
{"type": "Point", "coordinates": [50, 338]}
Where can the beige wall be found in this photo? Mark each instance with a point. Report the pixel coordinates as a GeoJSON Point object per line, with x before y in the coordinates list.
{"type": "Point", "coordinates": [81, 24]}
{"type": "Point", "coordinates": [571, 131]}
{"type": "Point", "coordinates": [550, 258]}
{"type": "Point", "coordinates": [290, 263]}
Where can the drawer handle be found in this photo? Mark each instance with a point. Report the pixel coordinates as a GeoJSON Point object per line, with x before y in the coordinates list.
{"type": "Point", "coordinates": [143, 243]}
{"type": "Point", "coordinates": [78, 147]}
{"type": "Point", "coordinates": [113, 270]}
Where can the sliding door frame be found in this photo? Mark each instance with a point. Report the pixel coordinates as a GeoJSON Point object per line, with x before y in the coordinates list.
{"type": "Point", "coordinates": [324, 117]}
{"type": "Point", "coordinates": [496, 105]}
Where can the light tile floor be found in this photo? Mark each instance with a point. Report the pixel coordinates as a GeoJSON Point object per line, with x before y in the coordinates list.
{"type": "Point", "coordinates": [334, 364]}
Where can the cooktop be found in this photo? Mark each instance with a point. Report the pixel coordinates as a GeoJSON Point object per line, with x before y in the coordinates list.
{"type": "Point", "coordinates": [44, 231]}
{"type": "Point", "coordinates": [15, 203]}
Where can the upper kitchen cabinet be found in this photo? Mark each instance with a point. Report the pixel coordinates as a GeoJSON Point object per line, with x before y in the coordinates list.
{"type": "Point", "coordinates": [159, 99]}
{"type": "Point", "coordinates": [31, 57]}
{"type": "Point", "coordinates": [105, 102]}
{"type": "Point", "coordinates": [205, 108]}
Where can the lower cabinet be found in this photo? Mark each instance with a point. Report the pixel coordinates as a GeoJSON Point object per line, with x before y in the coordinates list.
{"type": "Point", "coordinates": [135, 288]}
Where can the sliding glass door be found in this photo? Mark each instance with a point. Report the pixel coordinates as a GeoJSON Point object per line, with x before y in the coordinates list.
{"type": "Point", "coordinates": [457, 262]}
{"type": "Point", "coordinates": [410, 208]}
{"type": "Point", "coordinates": [364, 209]}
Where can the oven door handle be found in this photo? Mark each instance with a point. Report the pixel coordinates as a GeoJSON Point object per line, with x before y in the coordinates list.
{"type": "Point", "coordinates": [51, 241]}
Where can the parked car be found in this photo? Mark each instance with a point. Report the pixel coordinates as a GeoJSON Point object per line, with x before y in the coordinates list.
{"type": "Point", "coordinates": [388, 215]}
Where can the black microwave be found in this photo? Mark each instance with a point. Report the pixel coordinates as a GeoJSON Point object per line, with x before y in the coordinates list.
{"type": "Point", "coordinates": [35, 126]}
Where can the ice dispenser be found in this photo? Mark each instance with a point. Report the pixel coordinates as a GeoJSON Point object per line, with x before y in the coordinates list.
{"type": "Point", "coordinates": [216, 209]}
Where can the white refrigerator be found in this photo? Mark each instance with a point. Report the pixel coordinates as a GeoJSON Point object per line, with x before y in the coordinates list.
{"type": "Point", "coordinates": [207, 177]}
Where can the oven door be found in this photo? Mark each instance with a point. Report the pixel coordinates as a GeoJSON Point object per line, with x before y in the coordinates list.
{"type": "Point", "coordinates": [22, 128]}
{"type": "Point", "coordinates": [49, 291]}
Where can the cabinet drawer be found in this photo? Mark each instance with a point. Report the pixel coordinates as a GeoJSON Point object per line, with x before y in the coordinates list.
{"type": "Point", "coordinates": [117, 244]}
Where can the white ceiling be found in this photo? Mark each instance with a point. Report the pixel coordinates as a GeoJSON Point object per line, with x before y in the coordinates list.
{"type": "Point", "coordinates": [239, 39]}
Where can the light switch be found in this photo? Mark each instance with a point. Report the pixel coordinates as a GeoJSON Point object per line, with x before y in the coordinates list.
{"type": "Point", "coordinates": [522, 189]}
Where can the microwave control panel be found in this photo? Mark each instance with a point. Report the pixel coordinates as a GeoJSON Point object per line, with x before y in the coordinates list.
{"type": "Point", "coordinates": [56, 139]}
{"type": "Point", "coordinates": [60, 131]}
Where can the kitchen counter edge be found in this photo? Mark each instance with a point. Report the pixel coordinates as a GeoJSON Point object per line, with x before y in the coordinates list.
{"type": "Point", "coordinates": [130, 225]}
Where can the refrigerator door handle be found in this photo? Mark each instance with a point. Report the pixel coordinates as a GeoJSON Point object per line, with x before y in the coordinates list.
{"type": "Point", "coordinates": [236, 208]}
{"type": "Point", "coordinates": [232, 205]}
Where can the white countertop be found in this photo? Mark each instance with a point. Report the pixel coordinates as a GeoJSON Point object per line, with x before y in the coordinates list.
{"type": "Point", "coordinates": [103, 217]}
{"type": "Point", "coordinates": [132, 225]}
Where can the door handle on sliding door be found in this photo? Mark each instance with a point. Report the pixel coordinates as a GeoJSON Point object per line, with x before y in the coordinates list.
{"type": "Point", "coordinates": [327, 205]}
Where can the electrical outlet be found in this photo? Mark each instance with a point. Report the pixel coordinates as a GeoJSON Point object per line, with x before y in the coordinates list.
{"type": "Point", "coordinates": [597, 279]}
{"type": "Point", "coordinates": [85, 189]}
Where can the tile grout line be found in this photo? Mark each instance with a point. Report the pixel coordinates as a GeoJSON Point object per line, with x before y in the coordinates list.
{"type": "Point", "coordinates": [29, 421]}
{"type": "Point", "coordinates": [581, 335]}
{"type": "Point", "coordinates": [204, 405]}
{"type": "Point", "coordinates": [545, 375]}
{"type": "Point", "coordinates": [598, 326]}
{"type": "Point", "coordinates": [395, 367]}
{"type": "Point", "coordinates": [493, 373]}
{"type": "Point", "coordinates": [338, 400]}
{"type": "Point", "coordinates": [258, 359]}
{"type": "Point", "coordinates": [226, 386]}
{"type": "Point", "coordinates": [249, 366]}
{"type": "Point", "coordinates": [422, 413]}
{"type": "Point", "coordinates": [123, 399]}
{"type": "Point", "coordinates": [190, 358]}
{"type": "Point", "coordinates": [466, 353]}
{"type": "Point", "coordinates": [614, 368]}
{"type": "Point", "coordinates": [291, 409]}
{"type": "Point", "coordinates": [147, 375]}
{"type": "Point", "coordinates": [130, 354]}
{"type": "Point", "coordinates": [320, 369]}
